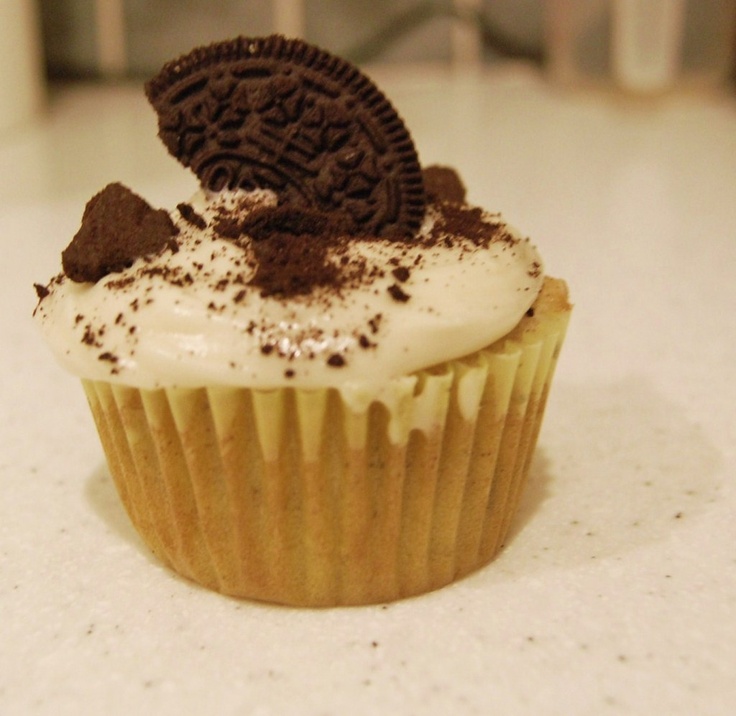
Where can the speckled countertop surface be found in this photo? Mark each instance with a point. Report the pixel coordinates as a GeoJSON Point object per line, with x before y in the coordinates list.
{"type": "Point", "coordinates": [617, 592]}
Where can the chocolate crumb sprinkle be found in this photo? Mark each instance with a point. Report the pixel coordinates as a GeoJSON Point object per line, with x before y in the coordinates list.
{"type": "Point", "coordinates": [375, 323]}
{"type": "Point", "coordinates": [90, 337]}
{"type": "Point", "coordinates": [443, 184]}
{"type": "Point", "coordinates": [118, 227]}
{"type": "Point", "coordinates": [292, 249]}
{"type": "Point", "coordinates": [397, 293]}
{"type": "Point", "coordinates": [41, 291]}
{"type": "Point", "coordinates": [336, 360]}
{"type": "Point", "coordinates": [191, 216]}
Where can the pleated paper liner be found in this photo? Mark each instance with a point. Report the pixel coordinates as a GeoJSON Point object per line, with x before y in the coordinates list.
{"type": "Point", "coordinates": [295, 497]}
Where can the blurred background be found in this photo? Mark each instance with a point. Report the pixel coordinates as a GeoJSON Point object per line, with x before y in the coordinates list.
{"type": "Point", "coordinates": [581, 39]}
{"type": "Point", "coordinates": [99, 37]}
{"type": "Point", "coordinates": [640, 46]}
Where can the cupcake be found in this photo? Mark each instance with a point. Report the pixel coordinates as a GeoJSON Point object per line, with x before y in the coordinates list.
{"type": "Point", "coordinates": [320, 380]}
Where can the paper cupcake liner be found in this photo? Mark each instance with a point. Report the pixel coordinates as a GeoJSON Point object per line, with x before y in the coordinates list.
{"type": "Point", "coordinates": [300, 497]}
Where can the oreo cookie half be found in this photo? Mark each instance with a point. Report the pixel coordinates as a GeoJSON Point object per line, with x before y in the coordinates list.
{"type": "Point", "coordinates": [284, 115]}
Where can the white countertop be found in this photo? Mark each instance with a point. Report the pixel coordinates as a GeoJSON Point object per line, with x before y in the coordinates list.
{"type": "Point", "coordinates": [617, 592]}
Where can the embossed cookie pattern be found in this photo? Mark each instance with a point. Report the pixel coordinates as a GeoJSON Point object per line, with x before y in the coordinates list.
{"type": "Point", "coordinates": [284, 115]}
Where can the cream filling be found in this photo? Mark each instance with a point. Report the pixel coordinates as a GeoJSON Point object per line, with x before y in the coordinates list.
{"type": "Point", "coordinates": [190, 319]}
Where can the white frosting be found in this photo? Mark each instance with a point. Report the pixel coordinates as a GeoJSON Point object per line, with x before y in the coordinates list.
{"type": "Point", "coordinates": [191, 318]}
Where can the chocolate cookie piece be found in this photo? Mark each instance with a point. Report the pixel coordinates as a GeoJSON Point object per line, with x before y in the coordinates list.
{"type": "Point", "coordinates": [118, 227]}
{"type": "Point", "coordinates": [284, 115]}
{"type": "Point", "coordinates": [443, 184]}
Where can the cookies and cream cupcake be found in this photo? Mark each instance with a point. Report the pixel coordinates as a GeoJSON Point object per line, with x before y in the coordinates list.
{"type": "Point", "coordinates": [319, 381]}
